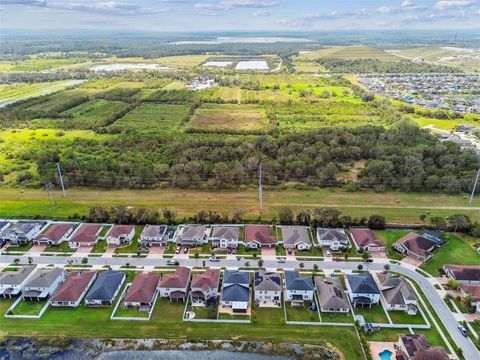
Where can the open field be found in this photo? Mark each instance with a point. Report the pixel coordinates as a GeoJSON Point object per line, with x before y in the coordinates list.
{"type": "Point", "coordinates": [39, 64]}
{"type": "Point", "coordinates": [22, 91]}
{"type": "Point", "coordinates": [154, 118]}
{"type": "Point", "coordinates": [167, 323]}
{"type": "Point", "coordinates": [31, 202]}
{"type": "Point", "coordinates": [464, 58]}
{"type": "Point", "coordinates": [228, 118]}
{"type": "Point", "coordinates": [350, 52]}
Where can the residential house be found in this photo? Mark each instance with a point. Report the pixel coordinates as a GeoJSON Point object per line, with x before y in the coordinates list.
{"type": "Point", "coordinates": [3, 226]}
{"type": "Point", "coordinates": [474, 291]}
{"type": "Point", "coordinates": [11, 282]}
{"type": "Point", "coordinates": [464, 274]}
{"type": "Point", "coordinates": [175, 286]}
{"type": "Point", "coordinates": [105, 288]}
{"type": "Point", "coordinates": [205, 286]}
{"type": "Point", "coordinates": [120, 234]}
{"type": "Point", "coordinates": [156, 235]}
{"type": "Point", "coordinates": [416, 347]}
{"type": "Point", "coordinates": [225, 236]}
{"type": "Point", "coordinates": [296, 238]}
{"type": "Point", "coordinates": [258, 236]}
{"type": "Point", "coordinates": [142, 292]}
{"type": "Point", "coordinates": [397, 294]}
{"type": "Point", "coordinates": [331, 297]}
{"type": "Point", "coordinates": [335, 239]}
{"type": "Point", "coordinates": [191, 235]}
{"type": "Point", "coordinates": [22, 231]}
{"type": "Point", "coordinates": [236, 291]}
{"type": "Point", "coordinates": [56, 234]}
{"type": "Point", "coordinates": [298, 289]}
{"type": "Point", "coordinates": [43, 284]}
{"type": "Point", "coordinates": [268, 289]}
{"type": "Point", "coordinates": [364, 238]}
{"type": "Point", "coordinates": [362, 290]}
{"type": "Point", "coordinates": [415, 246]}
{"type": "Point", "coordinates": [85, 235]}
{"type": "Point", "coordinates": [73, 289]}
{"type": "Point", "coordinates": [435, 236]}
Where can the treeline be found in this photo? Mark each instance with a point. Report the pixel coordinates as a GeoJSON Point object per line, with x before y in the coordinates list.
{"type": "Point", "coordinates": [403, 157]}
{"type": "Point", "coordinates": [367, 66]}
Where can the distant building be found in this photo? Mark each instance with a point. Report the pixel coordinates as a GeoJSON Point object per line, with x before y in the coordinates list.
{"type": "Point", "coordinates": [191, 235]}
{"type": "Point", "coordinates": [258, 236]}
{"type": "Point", "coordinates": [225, 236]}
{"type": "Point", "coordinates": [55, 235]}
{"type": "Point", "coordinates": [120, 234]}
{"type": "Point", "coordinates": [296, 238]}
{"type": "Point", "coordinates": [364, 238]}
{"type": "Point", "coordinates": [335, 239]}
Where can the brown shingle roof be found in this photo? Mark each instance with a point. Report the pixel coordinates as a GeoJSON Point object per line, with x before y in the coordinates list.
{"type": "Point", "coordinates": [465, 272]}
{"type": "Point", "coordinates": [414, 343]}
{"type": "Point", "coordinates": [209, 280]}
{"type": "Point", "coordinates": [74, 286]}
{"type": "Point", "coordinates": [87, 233]}
{"type": "Point", "coordinates": [118, 230]}
{"type": "Point", "coordinates": [364, 237]}
{"type": "Point", "coordinates": [143, 288]}
{"type": "Point", "coordinates": [56, 232]}
{"type": "Point", "coordinates": [260, 233]}
{"type": "Point", "coordinates": [416, 244]}
{"type": "Point", "coordinates": [472, 289]}
{"type": "Point", "coordinates": [177, 280]}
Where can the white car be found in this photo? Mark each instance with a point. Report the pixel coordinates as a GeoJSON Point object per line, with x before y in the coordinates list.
{"type": "Point", "coordinates": [281, 260]}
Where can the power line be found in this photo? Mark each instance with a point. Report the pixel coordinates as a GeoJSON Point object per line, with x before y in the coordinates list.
{"type": "Point", "coordinates": [475, 186]}
{"type": "Point", "coordinates": [51, 195]}
{"type": "Point", "coordinates": [61, 179]}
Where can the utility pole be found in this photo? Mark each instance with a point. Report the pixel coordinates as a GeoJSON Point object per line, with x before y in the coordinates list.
{"type": "Point", "coordinates": [260, 190]}
{"type": "Point", "coordinates": [61, 178]}
{"type": "Point", "coordinates": [475, 185]}
{"type": "Point", "coordinates": [51, 195]}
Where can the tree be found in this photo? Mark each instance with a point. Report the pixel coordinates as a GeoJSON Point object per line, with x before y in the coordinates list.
{"type": "Point", "coordinates": [84, 260]}
{"type": "Point", "coordinates": [315, 267]}
{"type": "Point", "coordinates": [460, 222]}
{"type": "Point", "coordinates": [237, 216]}
{"type": "Point", "coordinates": [286, 216]}
{"type": "Point", "coordinates": [127, 265]}
{"type": "Point", "coordinates": [467, 300]}
{"type": "Point", "coordinates": [196, 255]}
{"type": "Point", "coordinates": [453, 284]}
{"type": "Point", "coordinates": [260, 263]}
{"type": "Point", "coordinates": [422, 217]}
{"type": "Point", "coordinates": [247, 264]}
{"type": "Point", "coordinates": [303, 217]}
{"type": "Point", "coordinates": [30, 260]}
{"type": "Point", "coordinates": [365, 255]}
{"type": "Point", "coordinates": [16, 261]}
{"type": "Point", "coordinates": [345, 256]}
{"type": "Point", "coordinates": [360, 267]}
{"type": "Point", "coordinates": [302, 265]}
{"type": "Point", "coordinates": [376, 222]}
{"type": "Point", "coordinates": [439, 222]}
{"type": "Point", "coordinates": [169, 215]}
{"type": "Point", "coordinates": [386, 267]}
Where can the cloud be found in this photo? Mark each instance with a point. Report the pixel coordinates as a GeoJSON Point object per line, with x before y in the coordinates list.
{"type": "Point", "coordinates": [452, 4]}
{"type": "Point", "coordinates": [226, 5]}
{"type": "Point", "coordinates": [25, 2]}
{"type": "Point", "coordinates": [262, 13]}
{"type": "Point", "coordinates": [106, 8]}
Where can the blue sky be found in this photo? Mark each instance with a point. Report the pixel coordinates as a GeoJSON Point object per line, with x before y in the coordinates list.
{"type": "Point", "coordinates": [243, 15]}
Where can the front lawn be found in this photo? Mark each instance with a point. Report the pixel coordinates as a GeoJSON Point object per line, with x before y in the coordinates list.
{"type": "Point", "coordinates": [375, 314]}
{"type": "Point", "coordinates": [63, 247]}
{"type": "Point", "coordinates": [21, 248]}
{"type": "Point", "coordinates": [301, 313]}
{"type": "Point", "coordinates": [454, 251]}
{"type": "Point", "coordinates": [29, 307]}
{"type": "Point", "coordinates": [312, 252]}
{"type": "Point", "coordinates": [280, 250]}
{"type": "Point", "coordinates": [100, 247]}
{"type": "Point", "coordinates": [242, 250]}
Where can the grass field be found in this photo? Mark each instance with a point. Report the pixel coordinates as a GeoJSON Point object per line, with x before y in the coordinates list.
{"type": "Point", "coordinates": [229, 118]}
{"type": "Point", "coordinates": [154, 118]}
{"type": "Point", "coordinates": [375, 314]}
{"type": "Point", "coordinates": [31, 202]}
{"type": "Point", "coordinates": [22, 91]}
{"type": "Point", "coordinates": [38, 64]}
{"type": "Point", "coordinates": [350, 52]}
{"type": "Point", "coordinates": [455, 251]}
{"type": "Point", "coordinates": [29, 307]}
{"type": "Point", "coordinates": [301, 313]}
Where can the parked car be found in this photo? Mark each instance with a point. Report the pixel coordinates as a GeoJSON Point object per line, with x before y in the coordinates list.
{"type": "Point", "coordinates": [234, 251]}
{"type": "Point", "coordinates": [214, 258]}
{"type": "Point", "coordinates": [239, 258]}
{"type": "Point", "coordinates": [177, 250]}
{"type": "Point", "coordinates": [289, 251]}
{"type": "Point", "coordinates": [328, 253]}
{"type": "Point", "coordinates": [281, 260]}
{"type": "Point", "coordinates": [185, 250]}
{"type": "Point", "coordinates": [173, 262]}
{"type": "Point", "coordinates": [463, 330]}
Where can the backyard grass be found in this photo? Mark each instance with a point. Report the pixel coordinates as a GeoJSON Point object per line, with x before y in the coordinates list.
{"type": "Point", "coordinates": [63, 247]}
{"type": "Point", "coordinates": [392, 335]}
{"type": "Point", "coordinates": [225, 316]}
{"type": "Point", "coordinates": [454, 251]}
{"type": "Point", "coordinates": [33, 202]}
{"type": "Point", "coordinates": [337, 317]}
{"type": "Point", "coordinates": [264, 315]}
{"type": "Point", "coordinates": [375, 314]}
{"type": "Point", "coordinates": [130, 312]}
{"type": "Point", "coordinates": [29, 307]}
{"type": "Point", "coordinates": [399, 317]}
{"type": "Point", "coordinates": [229, 118]}
{"type": "Point", "coordinates": [301, 313]}
{"type": "Point", "coordinates": [202, 312]}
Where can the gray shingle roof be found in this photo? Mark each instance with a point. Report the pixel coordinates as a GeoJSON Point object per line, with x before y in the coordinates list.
{"type": "Point", "coordinates": [236, 277]}
{"type": "Point", "coordinates": [332, 234]}
{"type": "Point", "coordinates": [396, 289]}
{"type": "Point", "coordinates": [331, 294]}
{"type": "Point", "coordinates": [293, 281]}
{"type": "Point", "coordinates": [153, 230]}
{"type": "Point", "coordinates": [362, 283]}
{"type": "Point", "coordinates": [236, 292]}
{"type": "Point", "coordinates": [16, 277]}
{"type": "Point", "coordinates": [269, 281]}
{"type": "Point", "coordinates": [44, 277]}
{"type": "Point", "coordinates": [105, 286]}
{"type": "Point", "coordinates": [294, 234]}
{"type": "Point", "coordinates": [225, 232]}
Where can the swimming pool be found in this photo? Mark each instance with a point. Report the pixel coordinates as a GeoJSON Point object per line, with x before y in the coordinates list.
{"type": "Point", "coordinates": [385, 355]}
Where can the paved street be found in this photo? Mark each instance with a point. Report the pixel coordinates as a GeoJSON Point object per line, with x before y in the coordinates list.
{"type": "Point", "coordinates": [470, 352]}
